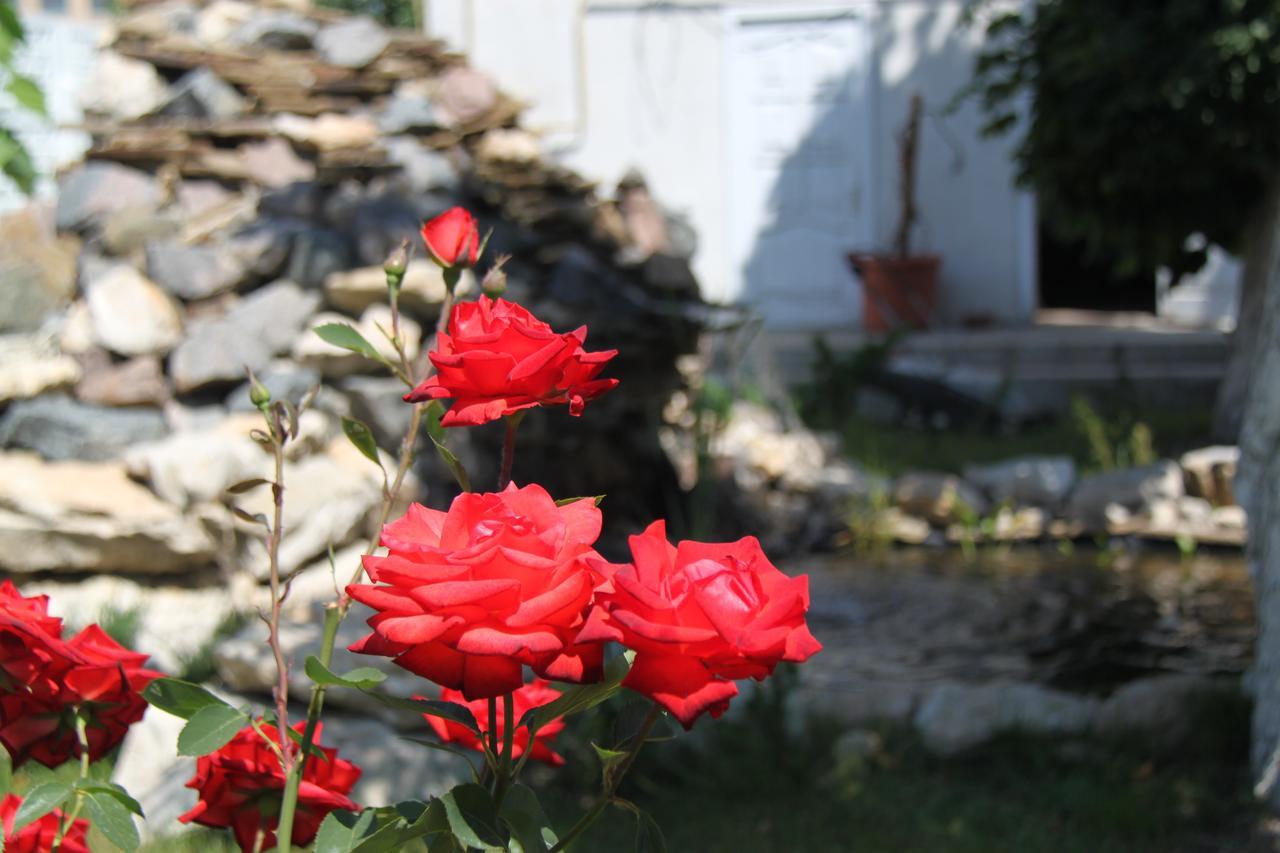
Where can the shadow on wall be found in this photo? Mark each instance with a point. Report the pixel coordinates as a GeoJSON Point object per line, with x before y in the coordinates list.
{"type": "Point", "coordinates": [817, 104]}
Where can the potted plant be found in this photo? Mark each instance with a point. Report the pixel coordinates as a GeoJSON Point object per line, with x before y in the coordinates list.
{"type": "Point", "coordinates": [899, 289]}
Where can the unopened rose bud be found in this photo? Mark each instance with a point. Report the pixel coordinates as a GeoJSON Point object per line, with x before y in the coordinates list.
{"type": "Point", "coordinates": [494, 283]}
{"type": "Point", "coordinates": [258, 393]}
{"type": "Point", "coordinates": [396, 263]}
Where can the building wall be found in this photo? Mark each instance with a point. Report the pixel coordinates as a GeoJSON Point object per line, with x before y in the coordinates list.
{"type": "Point", "coordinates": [619, 84]}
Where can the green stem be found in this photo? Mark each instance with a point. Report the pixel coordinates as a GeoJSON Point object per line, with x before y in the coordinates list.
{"type": "Point", "coordinates": [509, 448]}
{"type": "Point", "coordinates": [611, 786]}
{"type": "Point", "coordinates": [69, 816]}
{"type": "Point", "coordinates": [493, 727]}
{"type": "Point", "coordinates": [505, 777]}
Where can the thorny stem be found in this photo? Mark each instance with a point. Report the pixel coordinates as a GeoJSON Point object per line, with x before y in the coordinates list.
{"type": "Point", "coordinates": [69, 816]}
{"type": "Point", "coordinates": [611, 786]}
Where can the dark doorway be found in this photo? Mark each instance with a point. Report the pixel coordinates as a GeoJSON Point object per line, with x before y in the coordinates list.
{"type": "Point", "coordinates": [1070, 279]}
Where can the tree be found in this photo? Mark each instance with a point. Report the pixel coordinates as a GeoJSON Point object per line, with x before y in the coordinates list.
{"type": "Point", "coordinates": [15, 160]}
{"type": "Point", "coordinates": [1147, 122]}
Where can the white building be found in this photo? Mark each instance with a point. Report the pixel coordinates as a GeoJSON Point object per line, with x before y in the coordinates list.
{"type": "Point", "coordinates": [772, 126]}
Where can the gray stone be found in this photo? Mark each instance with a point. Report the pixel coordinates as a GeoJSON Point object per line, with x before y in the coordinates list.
{"type": "Point", "coordinates": [301, 200]}
{"type": "Point", "coordinates": [127, 230]}
{"type": "Point", "coordinates": [194, 272]}
{"type": "Point", "coordinates": [196, 466]}
{"type": "Point", "coordinates": [37, 269]}
{"type": "Point", "coordinates": [392, 765]}
{"type": "Point", "coordinates": [98, 188]}
{"type": "Point", "coordinates": [31, 365]}
{"type": "Point", "coordinates": [956, 717]}
{"type": "Point", "coordinates": [263, 248]}
{"type": "Point", "coordinates": [353, 43]}
{"type": "Point", "coordinates": [198, 196]}
{"type": "Point", "coordinates": [377, 401]}
{"type": "Point", "coordinates": [465, 95]}
{"type": "Point", "coordinates": [137, 382]}
{"type": "Point", "coordinates": [317, 253]}
{"type": "Point", "coordinates": [424, 169]}
{"type": "Point", "coordinates": [421, 291]}
{"type": "Point", "coordinates": [276, 30]}
{"type": "Point", "coordinates": [274, 163]}
{"type": "Point", "coordinates": [130, 314]}
{"type": "Point", "coordinates": [285, 381]}
{"type": "Point", "coordinates": [1132, 489]}
{"type": "Point", "coordinates": [122, 88]}
{"type": "Point", "coordinates": [1210, 471]}
{"type": "Point", "coordinates": [1041, 481]}
{"type": "Point", "coordinates": [408, 111]}
{"type": "Point", "coordinates": [90, 517]}
{"type": "Point", "coordinates": [57, 427]}
{"type": "Point", "coordinates": [202, 94]}
{"type": "Point", "coordinates": [257, 328]}
{"type": "Point", "coordinates": [941, 498]}
{"type": "Point", "coordinates": [1160, 707]}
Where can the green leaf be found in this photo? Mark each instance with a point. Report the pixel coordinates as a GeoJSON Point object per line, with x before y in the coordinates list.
{"type": "Point", "coordinates": [434, 411]}
{"type": "Point", "coordinates": [210, 728]}
{"type": "Point", "coordinates": [402, 823]}
{"type": "Point", "coordinates": [26, 92]}
{"type": "Point", "coordinates": [581, 697]}
{"type": "Point", "coordinates": [6, 773]}
{"type": "Point", "coordinates": [362, 437]}
{"type": "Point", "coordinates": [10, 25]}
{"type": "Point", "coordinates": [649, 838]}
{"type": "Point", "coordinates": [360, 678]}
{"type": "Point", "coordinates": [346, 337]}
{"type": "Point", "coordinates": [473, 816]}
{"type": "Point", "coordinates": [609, 757]}
{"type": "Point", "coordinates": [180, 698]}
{"type": "Point", "coordinates": [246, 485]}
{"type": "Point", "coordinates": [110, 789]}
{"type": "Point", "coordinates": [530, 827]}
{"type": "Point", "coordinates": [113, 819]}
{"type": "Point", "coordinates": [342, 831]}
{"type": "Point", "coordinates": [455, 466]}
{"type": "Point", "coordinates": [598, 499]}
{"type": "Point", "coordinates": [432, 707]}
{"type": "Point", "coordinates": [16, 162]}
{"type": "Point", "coordinates": [39, 801]}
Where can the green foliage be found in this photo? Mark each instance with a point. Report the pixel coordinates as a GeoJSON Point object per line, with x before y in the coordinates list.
{"type": "Point", "coordinates": [121, 624]}
{"type": "Point", "coordinates": [829, 397]}
{"type": "Point", "coordinates": [1120, 442]}
{"type": "Point", "coordinates": [392, 13]}
{"type": "Point", "coordinates": [1148, 121]}
{"type": "Point", "coordinates": [15, 160]}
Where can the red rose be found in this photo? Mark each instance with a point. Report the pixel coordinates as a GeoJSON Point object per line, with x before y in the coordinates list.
{"type": "Point", "coordinates": [30, 639]}
{"type": "Point", "coordinates": [535, 694]}
{"type": "Point", "coordinates": [105, 680]}
{"type": "Point", "coordinates": [38, 836]}
{"type": "Point", "coordinates": [700, 616]}
{"type": "Point", "coordinates": [452, 238]}
{"type": "Point", "coordinates": [468, 597]}
{"type": "Point", "coordinates": [240, 787]}
{"type": "Point", "coordinates": [497, 359]}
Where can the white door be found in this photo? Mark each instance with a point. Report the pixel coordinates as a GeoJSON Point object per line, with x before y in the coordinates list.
{"type": "Point", "coordinates": [800, 195]}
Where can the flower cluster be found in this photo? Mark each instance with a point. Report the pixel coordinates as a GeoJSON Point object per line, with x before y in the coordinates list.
{"type": "Point", "coordinates": [535, 694]}
{"type": "Point", "coordinates": [239, 787]}
{"type": "Point", "coordinates": [46, 681]}
{"type": "Point", "coordinates": [39, 835]}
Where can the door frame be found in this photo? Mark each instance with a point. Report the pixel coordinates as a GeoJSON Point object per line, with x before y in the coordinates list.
{"type": "Point", "coordinates": [868, 89]}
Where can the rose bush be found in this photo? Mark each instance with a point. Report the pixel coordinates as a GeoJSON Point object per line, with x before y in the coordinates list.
{"type": "Point", "coordinates": [467, 598]}
{"type": "Point", "coordinates": [239, 787]}
{"type": "Point", "coordinates": [497, 359]}
{"type": "Point", "coordinates": [39, 835]}
{"type": "Point", "coordinates": [452, 238]}
{"type": "Point", "coordinates": [699, 616]}
{"type": "Point", "coordinates": [535, 694]}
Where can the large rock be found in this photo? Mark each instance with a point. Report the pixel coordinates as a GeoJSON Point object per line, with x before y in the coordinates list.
{"type": "Point", "coordinates": [249, 335]}
{"type": "Point", "coordinates": [193, 272]}
{"type": "Point", "coordinates": [126, 231]}
{"type": "Point", "coordinates": [1160, 707]}
{"type": "Point", "coordinates": [37, 270]}
{"type": "Point", "coordinates": [87, 517]}
{"type": "Point", "coordinates": [122, 88]}
{"type": "Point", "coordinates": [423, 169]}
{"type": "Point", "coordinates": [956, 717]}
{"type": "Point", "coordinates": [98, 188]}
{"type": "Point", "coordinates": [137, 382]}
{"type": "Point", "coordinates": [199, 465]}
{"type": "Point", "coordinates": [353, 42]}
{"type": "Point", "coordinates": [1041, 481]}
{"type": "Point", "coordinates": [465, 95]}
{"type": "Point", "coordinates": [327, 131]}
{"type": "Point", "coordinates": [421, 292]}
{"type": "Point", "coordinates": [317, 253]}
{"type": "Point", "coordinates": [57, 427]}
{"type": "Point", "coordinates": [274, 163]}
{"type": "Point", "coordinates": [130, 314]}
{"type": "Point", "coordinates": [1210, 472]}
{"type": "Point", "coordinates": [272, 30]}
{"type": "Point", "coordinates": [31, 365]}
{"type": "Point", "coordinates": [329, 500]}
{"type": "Point", "coordinates": [941, 498]}
{"type": "Point", "coordinates": [409, 110]}
{"type": "Point", "coordinates": [334, 362]}
{"type": "Point", "coordinates": [202, 94]}
{"type": "Point", "coordinates": [1125, 492]}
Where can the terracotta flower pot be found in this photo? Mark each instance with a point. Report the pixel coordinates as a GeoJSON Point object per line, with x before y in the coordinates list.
{"type": "Point", "coordinates": [897, 292]}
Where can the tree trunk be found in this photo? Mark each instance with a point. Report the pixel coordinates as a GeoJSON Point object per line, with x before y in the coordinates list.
{"type": "Point", "coordinates": [1259, 247]}
{"type": "Point", "coordinates": [1258, 489]}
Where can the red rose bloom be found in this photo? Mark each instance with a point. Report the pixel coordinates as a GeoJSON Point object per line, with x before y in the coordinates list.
{"type": "Point", "coordinates": [468, 597]}
{"type": "Point", "coordinates": [497, 359]}
{"type": "Point", "coordinates": [240, 787]}
{"type": "Point", "coordinates": [38, 836]}
{"type": "Point", "coordinates": [107, 680]}
{"type": "Point", "coordinates": [535, 694]}
{"type": "Point", "coordinates": [30, 639]}
{"type": "Point", "coordinates": [452, 238]}
{"type": "Point", "coordinates": [699, 616]}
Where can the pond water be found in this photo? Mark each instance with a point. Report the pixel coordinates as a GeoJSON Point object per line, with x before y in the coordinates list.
{"type": "Point", "coordinates": [1086, 620]}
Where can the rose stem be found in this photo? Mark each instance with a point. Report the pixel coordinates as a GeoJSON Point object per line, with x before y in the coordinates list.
{"type": "Point", "coordinates": [505, 776]}
{"type": "Point", "coordinates": [611, 786]}
{"type": "Point", "coordinates": [69, 817]}
{"type": "Point", "coordinates": [509, 448]}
